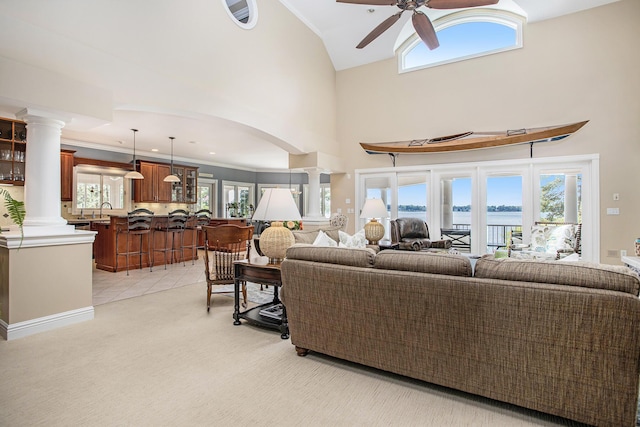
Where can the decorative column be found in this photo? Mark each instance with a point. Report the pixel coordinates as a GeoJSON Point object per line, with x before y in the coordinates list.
{"type": "Point", "coordinates": [314, 218]}
{"type": "Point", "coordinates": [571, 198]}
{"type": "Point", "coordinates": [42, 170]}
{"type": "Point", "coordinates": [447, 205]}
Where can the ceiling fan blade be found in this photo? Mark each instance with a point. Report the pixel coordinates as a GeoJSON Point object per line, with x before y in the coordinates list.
{"type": "Point", "coordinates": [370, 2]}
{"type": "Point", "coordinates": [425, 29]}
{"type": "Point", "coordinates": [384, 26]}
{"type": "Point", "coordinates": [458, 4]}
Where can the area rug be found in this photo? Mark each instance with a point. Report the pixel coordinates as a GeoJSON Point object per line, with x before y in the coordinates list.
{"type": "Point", "coordinates": [254, 294]}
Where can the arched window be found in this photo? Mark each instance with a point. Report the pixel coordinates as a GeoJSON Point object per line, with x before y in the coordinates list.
{"type": "Point", "coordinates": [464, 35]}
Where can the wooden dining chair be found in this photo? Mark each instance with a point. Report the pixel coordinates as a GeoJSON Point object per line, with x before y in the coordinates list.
{"type": "Point", "coordinates": [225, 244]}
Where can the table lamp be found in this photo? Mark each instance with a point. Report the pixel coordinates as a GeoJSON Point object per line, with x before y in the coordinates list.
{"type": "Point", "coordinates": [276, 205]}
{"type": "Point", "coordinates": [374, 209]}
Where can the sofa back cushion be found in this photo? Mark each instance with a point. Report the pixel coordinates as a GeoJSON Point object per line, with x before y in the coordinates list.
{"type": "Point", "coordinates": [600, 276]}
{"type": "Point", "coordinates": [309, 236]}
{"type": "Point", "coordinates": [424, 262]}
{"type": "Point", "coordinates": [358, 257]}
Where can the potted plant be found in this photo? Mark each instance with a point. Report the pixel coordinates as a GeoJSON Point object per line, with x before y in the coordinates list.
{"type": "Point", "coordinates": [15, 210]}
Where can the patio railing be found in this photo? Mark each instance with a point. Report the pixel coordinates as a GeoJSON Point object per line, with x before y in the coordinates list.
{"type": "Point", "coordinates": [497, 236]}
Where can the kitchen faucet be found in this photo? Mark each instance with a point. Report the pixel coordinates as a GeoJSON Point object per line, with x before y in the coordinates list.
{"type": "Point", "coordinates": [102, 205]}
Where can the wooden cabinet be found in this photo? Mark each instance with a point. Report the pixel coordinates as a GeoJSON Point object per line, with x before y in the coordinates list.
{"type": "Point", "coordinates": [13, 151]}
{"type": "Point", "coordinates": [66, 175]}
{"type": "Point", "coordinates": [152, 188]}
{"type": "Point", "coordinates": [185, 191]}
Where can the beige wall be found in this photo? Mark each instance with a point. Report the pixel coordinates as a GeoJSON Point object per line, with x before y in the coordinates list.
{"type": "Point", "coordinates": [576, 67]}
{"type": "Point", "coordinates": [35, 281]}
{"type": "Point", "coordinates": [188, 58]}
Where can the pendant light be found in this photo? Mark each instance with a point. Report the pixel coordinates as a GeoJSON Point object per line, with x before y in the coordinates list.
{"type": "Point", "coordinates": [172, 177]}
{"type": "Point", "coordinates": [134, 174]}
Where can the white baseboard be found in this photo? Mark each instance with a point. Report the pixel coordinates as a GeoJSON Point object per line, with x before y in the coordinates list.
{"type": "Point", "coordinates": [42, 324]}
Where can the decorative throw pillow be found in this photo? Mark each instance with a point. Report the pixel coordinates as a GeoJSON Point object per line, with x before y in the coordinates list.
{"type": "Point", "coordinates": [358, 240]}
{"type": "Point", "coordinates": [324, 240]}
{"type": "Point", "coordinates": [561, 237]}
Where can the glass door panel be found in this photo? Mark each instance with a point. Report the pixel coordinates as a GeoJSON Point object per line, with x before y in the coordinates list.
{"type": "Point", "coordinates": [504, 210]}
{"type": "Point", "coordinates": [560, 197]}
{"type": "Point", "coordinates": [455, 213]}
{"type": "Point", "coordinates": [413, 196]}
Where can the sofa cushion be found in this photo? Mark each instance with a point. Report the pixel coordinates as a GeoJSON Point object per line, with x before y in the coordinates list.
{"type": "Point", "coordinates": [600, 276]}
{"type": "Point", "coordinates": [359, 257]}
{"type": "Point", "coordinates": [309, 236]}
{"type": "Point", "coordinates": [424, 262]}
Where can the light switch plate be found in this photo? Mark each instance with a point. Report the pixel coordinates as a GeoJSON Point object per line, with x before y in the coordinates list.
{"type": "Point", "coordinates": [613, 211]}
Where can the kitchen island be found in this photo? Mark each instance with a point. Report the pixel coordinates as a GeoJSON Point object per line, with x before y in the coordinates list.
{"type": "Point", "coordinates": [104, 246]}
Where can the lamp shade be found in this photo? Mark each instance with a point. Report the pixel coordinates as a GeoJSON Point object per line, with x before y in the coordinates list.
{"type": "Point", "coordinates": [276, 205]}
{"type": "Point", "coordinates": [374, 208]}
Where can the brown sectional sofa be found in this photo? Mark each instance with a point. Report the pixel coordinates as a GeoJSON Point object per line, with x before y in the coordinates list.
{"type": "Point", "coordinates": [561, 338]}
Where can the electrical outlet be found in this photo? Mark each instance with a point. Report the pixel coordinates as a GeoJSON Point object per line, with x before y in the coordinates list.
{"type": "Point", "coordinates": [623, 252]}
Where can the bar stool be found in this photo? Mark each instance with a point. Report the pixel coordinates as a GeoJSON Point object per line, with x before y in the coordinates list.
{"type": "Point", "coordinates": [137, 223]}
{"type": "Point", "coordinates": [175, 224]}
{"type": "Point", "coordinates": [195, 223]}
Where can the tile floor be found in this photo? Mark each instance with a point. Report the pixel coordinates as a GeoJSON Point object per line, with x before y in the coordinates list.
{"type": "Point", "coordinates": [108, 287]}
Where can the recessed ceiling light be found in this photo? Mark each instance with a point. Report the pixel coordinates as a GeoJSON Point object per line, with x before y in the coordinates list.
{"type": "Point", "coordinates": [192, 142]}
{"type": "Point", "coordinates": [371, 10]}
{"type": "Point", "coordinates": [155, 150]}
{"type": "Point", "coordinates": [212, 152]}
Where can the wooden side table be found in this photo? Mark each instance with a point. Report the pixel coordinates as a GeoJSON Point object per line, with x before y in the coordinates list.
{"type": "Point", "coordinates": [268, 274]}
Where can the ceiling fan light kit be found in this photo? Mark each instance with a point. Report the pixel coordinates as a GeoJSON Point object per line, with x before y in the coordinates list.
{"type": "Point", "coordinates": [420, 20]}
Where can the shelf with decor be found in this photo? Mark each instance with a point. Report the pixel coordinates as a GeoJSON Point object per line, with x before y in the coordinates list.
{"type": "Point", "coordinates": [13, 151]}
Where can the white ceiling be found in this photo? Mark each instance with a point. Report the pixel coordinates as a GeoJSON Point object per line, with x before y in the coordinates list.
{"type": "Point", "coordinates": [341, 26]}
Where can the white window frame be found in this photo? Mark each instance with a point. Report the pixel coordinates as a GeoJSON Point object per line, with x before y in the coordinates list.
{"type": "Point", "coordinates": [99, 170]}
{"type": "Point", "coordinates": [213, 183]}
{"type": "Point", "coordinates": [500, 17]}
{"type": "Point", "coordinates": [236, 184]}
{"type": "Point", "coordinates": [588, 165]}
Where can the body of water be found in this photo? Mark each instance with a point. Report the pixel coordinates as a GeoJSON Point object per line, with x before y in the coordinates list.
{"type": "Point", "coordinates": [493, 218]}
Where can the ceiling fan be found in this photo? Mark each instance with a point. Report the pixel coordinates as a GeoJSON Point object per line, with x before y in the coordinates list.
{"type": "Point", "coordinates": [421, 22]}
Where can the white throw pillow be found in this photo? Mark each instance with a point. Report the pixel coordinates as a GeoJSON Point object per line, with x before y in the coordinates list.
{"type": "Point", "coordinates": [358, 240]}
{"type": "Point", "coordinates": [323, 240]}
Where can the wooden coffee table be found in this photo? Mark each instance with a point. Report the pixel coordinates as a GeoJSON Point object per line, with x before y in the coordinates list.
{"type": "Point", "coordinates": [267, 275]}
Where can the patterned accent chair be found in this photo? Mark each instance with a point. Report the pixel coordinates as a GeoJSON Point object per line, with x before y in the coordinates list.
{"type": "Point", "coordinates": [412, 234]}
{"type": "Point", "coordinates": [549, 240]}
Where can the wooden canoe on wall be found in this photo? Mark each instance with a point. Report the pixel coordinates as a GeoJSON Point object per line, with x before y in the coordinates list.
{"type": "Point", "coordinates": [474, 140]}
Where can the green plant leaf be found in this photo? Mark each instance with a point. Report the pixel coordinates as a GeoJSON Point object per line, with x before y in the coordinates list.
{"type": "Point", "coordinates": [16, 211]}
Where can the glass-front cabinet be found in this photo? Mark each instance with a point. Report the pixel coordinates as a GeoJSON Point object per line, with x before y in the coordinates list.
{"type": "Point", "coordinates": [186, 190]}
{"type": "Point", "coordinates": [13, 151]}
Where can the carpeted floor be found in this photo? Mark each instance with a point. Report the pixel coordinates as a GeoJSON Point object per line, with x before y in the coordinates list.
{"type": "Point", "coordinates": [162, 360]}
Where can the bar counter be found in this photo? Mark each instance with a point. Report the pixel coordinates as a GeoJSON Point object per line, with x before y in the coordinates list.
{"type": "Point", "coordinates": [104, 245]}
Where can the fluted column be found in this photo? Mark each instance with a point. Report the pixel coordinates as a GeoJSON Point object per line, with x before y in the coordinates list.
{"type": "Point", "coordinates": [42, 169]}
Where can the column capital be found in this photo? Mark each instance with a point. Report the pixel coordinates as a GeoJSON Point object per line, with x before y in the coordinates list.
{"type": "Point", "coordinates": [34, 114]}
